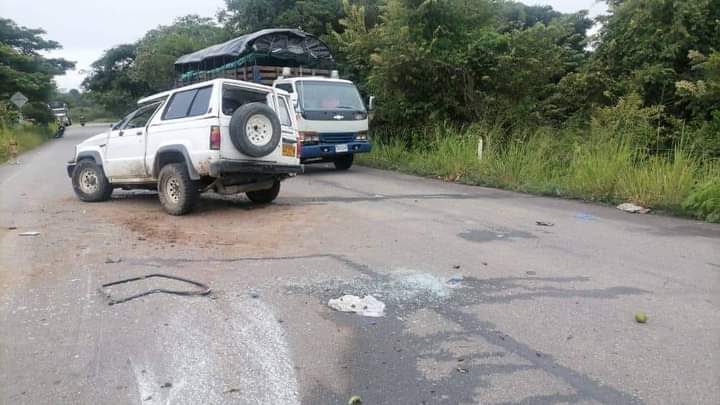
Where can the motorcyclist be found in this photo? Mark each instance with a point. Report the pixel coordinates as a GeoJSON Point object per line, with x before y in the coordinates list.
{"type": "Point", "coordinates": [61, 128]}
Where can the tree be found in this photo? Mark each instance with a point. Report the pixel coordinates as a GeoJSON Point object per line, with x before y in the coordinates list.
{"type": "Point", "coordinates": [462, 61]}
{"type": "Point", "coordinates": [157, 51]}
{"type": "Point", "coordinates": [644, 46]}
{"type": "Point", "coordinates": [318, 17]}
{"type": "Point", "coordinates": [111, 82]}
{"type": "Point", "coordinates": [22, 67]}
{"type": "Point", "coordinates": [128, 72]}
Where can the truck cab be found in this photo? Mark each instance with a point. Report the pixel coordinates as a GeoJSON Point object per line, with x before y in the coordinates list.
{"type": "Point", "coordinates": [332, 119]}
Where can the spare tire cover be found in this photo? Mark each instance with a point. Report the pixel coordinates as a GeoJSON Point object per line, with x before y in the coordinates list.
{"type": "Point", "coordinates": [255, 129]}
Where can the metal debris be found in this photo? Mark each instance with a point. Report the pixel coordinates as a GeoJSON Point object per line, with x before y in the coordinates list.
{"type": "Point", "coordinates": [543, 223]}
{"type": "Point", "coordinates": [202, 290]}
{"type": "Point", "coordinates": [29, 234]}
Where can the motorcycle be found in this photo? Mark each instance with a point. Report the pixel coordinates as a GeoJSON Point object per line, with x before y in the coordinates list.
{"type": "Point", "coordinates": [61, 131]}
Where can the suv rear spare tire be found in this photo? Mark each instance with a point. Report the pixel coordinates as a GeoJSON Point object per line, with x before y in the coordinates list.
{"type": "Point", "coordinates": [255, 129]}
{"type": "Point", "coordinates": [178, 193]}
{"type": "Point", "coordinates": [265, 196]}
{"type": "Point", "coordinates": [90, 183]}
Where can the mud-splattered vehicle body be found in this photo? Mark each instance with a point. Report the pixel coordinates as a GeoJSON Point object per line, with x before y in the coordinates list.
{"type": "Point", "coordinates": [229, 136]}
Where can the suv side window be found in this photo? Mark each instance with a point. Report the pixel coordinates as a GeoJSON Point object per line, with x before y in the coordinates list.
{"type": "Point", "coordinates": [201, 103]}
{"type": "Point", "coordinates": [188, 103]}
{"type": "Point", "coordinates": [142, 116]}
{"type": "Point", "coordinates": [285, 86]}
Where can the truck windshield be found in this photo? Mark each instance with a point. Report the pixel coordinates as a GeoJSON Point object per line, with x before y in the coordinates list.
{"type": "Point", "coordinates": [318, 95]}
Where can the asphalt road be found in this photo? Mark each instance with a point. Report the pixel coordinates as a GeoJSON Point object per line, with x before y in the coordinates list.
{"type": "Point", "coordinates": [482, 304]}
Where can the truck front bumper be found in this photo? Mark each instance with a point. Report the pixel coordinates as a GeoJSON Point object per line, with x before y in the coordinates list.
{"type": "Point", "coordinates": [217, 169]}
{"type": "Point", "coordinates": [327, 150]}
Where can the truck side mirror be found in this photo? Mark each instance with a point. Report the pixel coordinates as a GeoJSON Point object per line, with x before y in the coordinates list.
{"type": "Point", "coordinates": [371, 103]}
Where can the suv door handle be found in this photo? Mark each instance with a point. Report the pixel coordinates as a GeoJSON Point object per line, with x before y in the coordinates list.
{"type": "Point", "coordinates": [138, 133]}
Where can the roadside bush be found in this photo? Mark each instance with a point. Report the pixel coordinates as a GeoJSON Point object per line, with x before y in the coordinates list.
{"type": "Point", "coordinates": [596, 167]}
{"type": "Point", "coordinates": [660, 182]}
{"type": "Point", "coordinates": [704, 201]}
{"type": "Point", "coordinates": [26, 135]}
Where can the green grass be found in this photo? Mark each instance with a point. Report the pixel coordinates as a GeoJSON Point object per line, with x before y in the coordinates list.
{"type": "Point", "coordinates": [593, 164]}
{"type": "Point", "coordinates": [27, 137]}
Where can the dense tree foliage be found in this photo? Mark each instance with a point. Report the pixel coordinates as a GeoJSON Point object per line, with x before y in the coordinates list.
{"type": "Point", "coordinates": [24, 69]}
{"type": "Point", "coordinates": [465, 61]}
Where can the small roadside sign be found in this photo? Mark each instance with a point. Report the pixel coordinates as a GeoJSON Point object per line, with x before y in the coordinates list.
{"type": "Point", "coordinates": [19, 99]}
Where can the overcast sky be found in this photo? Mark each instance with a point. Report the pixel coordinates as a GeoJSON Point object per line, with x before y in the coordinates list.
{"type": "Point", "coordinates": [85, 28]}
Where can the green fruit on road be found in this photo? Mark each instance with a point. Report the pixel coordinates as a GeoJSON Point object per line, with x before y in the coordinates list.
{"type": "Point", "coordinates": [641, 317]}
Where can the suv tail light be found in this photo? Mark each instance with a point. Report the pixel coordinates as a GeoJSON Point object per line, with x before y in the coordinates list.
{"type": "Point", "coordinates": [215, 137]}
{"type": "Point", "coordinates": [300, 140]}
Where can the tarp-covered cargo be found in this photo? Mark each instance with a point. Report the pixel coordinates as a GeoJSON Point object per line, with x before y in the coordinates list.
{"type": "Point", "coordinates": [269, 47]}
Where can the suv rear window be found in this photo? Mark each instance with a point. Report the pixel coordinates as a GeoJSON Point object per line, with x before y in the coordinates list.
{"type": "Point", "coordinates": [233, 97]}
{"type": "Point", "coordinates": [188, 103]}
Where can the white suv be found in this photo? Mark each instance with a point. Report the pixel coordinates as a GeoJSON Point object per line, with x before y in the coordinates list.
{"type": "Point", "coordinates": [225, 135]}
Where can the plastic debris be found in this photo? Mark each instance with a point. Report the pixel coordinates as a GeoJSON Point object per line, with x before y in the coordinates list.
{"type": "Point", "coordinates": [355, 400]}
{"type": "Point", "coordinates": [632, 208]}
{"type": "Point", "coordinates": [543, 223]}
{"type": "Point", "coordinates": [366, 306]}
{"type": "Point", "coordinates": [113, 260]}
{"type": "Point", "coordinates": [29, 234]}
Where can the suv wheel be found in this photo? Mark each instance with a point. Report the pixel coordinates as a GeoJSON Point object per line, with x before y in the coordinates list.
{"type": "Point", "coordinates": [264, 196]}
{"type": "Point", "coordinates": [90, 183]}
{"type": "Point", "coordinates": [178, 193]}
{"type": "Point", "coordinates": [255, 129]}
{"type": "Point", "coordinates": [344, 162]}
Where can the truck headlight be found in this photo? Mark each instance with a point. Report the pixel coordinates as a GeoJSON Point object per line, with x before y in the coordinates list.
{"type": "Point", "coordinates": [362, 136]}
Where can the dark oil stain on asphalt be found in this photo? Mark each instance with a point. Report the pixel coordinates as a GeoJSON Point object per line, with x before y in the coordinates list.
{"type": "Point", "coordinates": [489, 235]}
{"type": "Point", "coordinates": [383, 361]}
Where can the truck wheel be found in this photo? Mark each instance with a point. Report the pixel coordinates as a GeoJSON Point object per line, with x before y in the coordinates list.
{"type": "Point", "coordinates": [177, 191]}
{"type": "Point", "coordinates": [264, 196]}
{"type": "Point", "coordinates": [90, 183]}
{"type": "Point", "coordinates": [344, 162]}
{"type": "Point", "coordinates": [255, 129]}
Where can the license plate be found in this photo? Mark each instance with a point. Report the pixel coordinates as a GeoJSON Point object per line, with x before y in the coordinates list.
{"type": "Point", "coordinates": [341, 148]}
{"type": "Point", "coordinates": [288, 149]}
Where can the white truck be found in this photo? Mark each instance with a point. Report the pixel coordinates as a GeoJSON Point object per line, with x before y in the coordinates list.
{"type": "Point", "coordinates": [331, 116]}
{"type": "Point", "coordinates": [225, 135]}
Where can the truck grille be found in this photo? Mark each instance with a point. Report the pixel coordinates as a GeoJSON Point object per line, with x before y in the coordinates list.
{"type": "Point", "coordinates": [337, 138]}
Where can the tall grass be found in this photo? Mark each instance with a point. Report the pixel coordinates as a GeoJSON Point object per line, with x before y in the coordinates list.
{"type": "Point", "coordinates": [593, 164]}
{"type": "Point", "coordinates": [27, 137]}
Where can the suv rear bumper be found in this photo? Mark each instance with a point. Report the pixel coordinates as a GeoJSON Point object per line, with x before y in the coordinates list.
{"type": "Point", "coordinates": [217, 169]}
